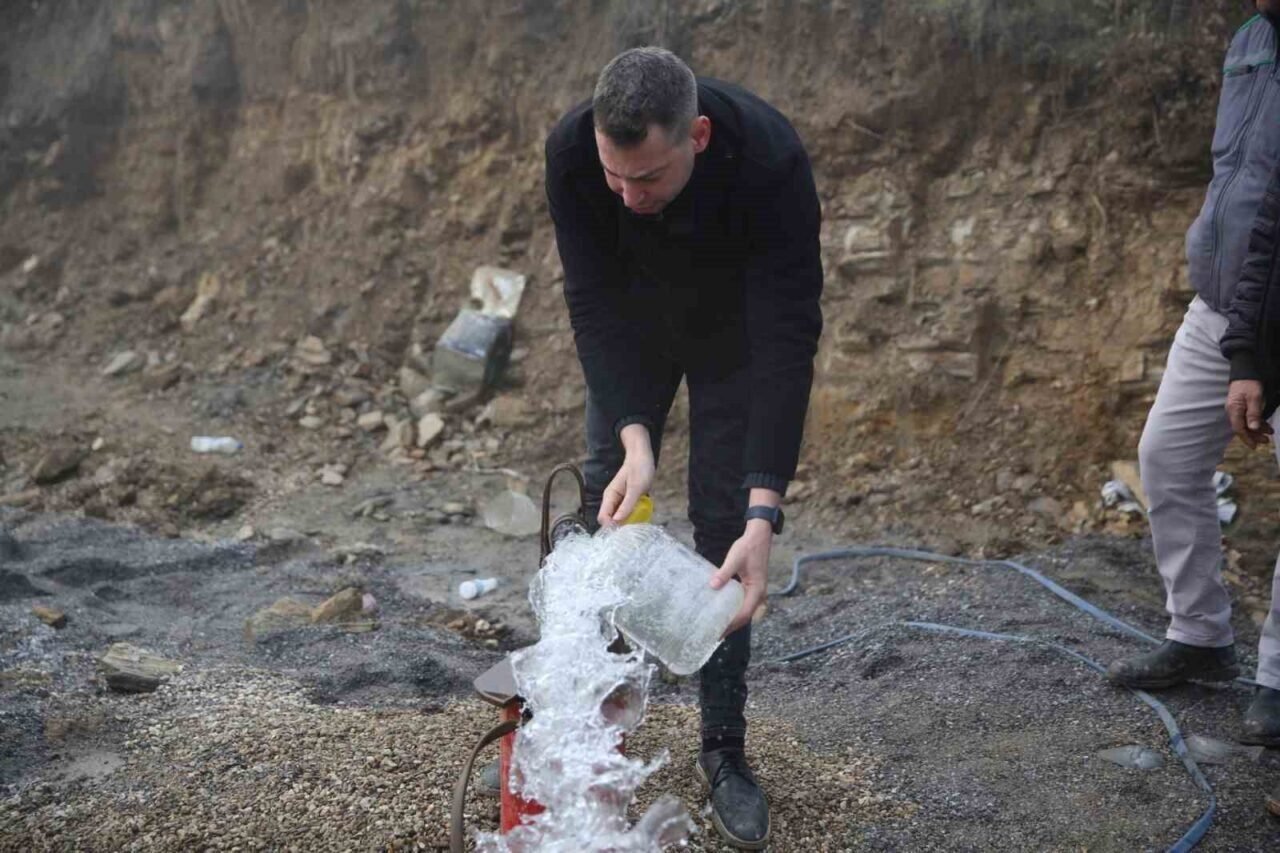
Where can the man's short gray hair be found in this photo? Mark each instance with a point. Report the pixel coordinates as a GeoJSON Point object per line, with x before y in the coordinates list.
{"type": "Point", "coordinates": [641, 87]}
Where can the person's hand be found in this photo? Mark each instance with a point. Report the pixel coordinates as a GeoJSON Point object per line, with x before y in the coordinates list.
{"type": "Point", "coordinates": [1244, 410]}
{"type": "Point", "coordinates": [748, 559]}
{"type": "Point", "coordinates": [634, 478]}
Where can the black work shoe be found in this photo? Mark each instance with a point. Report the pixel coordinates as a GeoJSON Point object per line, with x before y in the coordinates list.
{"type": "Point", "coordinates": [739, 808]}
{"type": "Point", "coordinates": [489, 782]}
{"type": "Point", "coordinates": [1261, 724]}
{"type": "Point", "coordinates": [1174, 663]}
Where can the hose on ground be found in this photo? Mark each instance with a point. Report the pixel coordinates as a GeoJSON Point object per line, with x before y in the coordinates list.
{"type": "Point", "coordinates": [1197, 830]}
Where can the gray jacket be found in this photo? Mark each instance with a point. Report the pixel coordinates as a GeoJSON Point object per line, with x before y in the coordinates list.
{"type": "Point", "coordinates": [1246, 148]}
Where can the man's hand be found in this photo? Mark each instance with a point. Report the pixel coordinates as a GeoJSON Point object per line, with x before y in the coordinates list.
{"type": "Point", "coordinates": [633, 479]}
{"type": "Point", "coordinates": [748, 559]}
{"type": "Point", "coordinates": [1244, 410]}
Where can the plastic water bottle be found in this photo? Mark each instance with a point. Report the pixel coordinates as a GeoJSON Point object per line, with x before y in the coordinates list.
{"type": "Point", "coordinates": [671, 612]}
{"type": "Point", "coordinates": [216, 444]}
{"type": "Point", "coordinates": [477, 588]}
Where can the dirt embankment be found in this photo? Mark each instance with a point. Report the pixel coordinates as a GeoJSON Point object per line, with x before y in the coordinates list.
{"type": "Point", "coordinates": [1004, 202]}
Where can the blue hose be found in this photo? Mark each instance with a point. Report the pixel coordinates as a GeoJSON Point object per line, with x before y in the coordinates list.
{"type": "Point", "coordinates": [1197, 831]}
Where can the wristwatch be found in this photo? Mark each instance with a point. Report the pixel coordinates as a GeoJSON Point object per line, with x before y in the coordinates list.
{"type": "Point", "coordinates": [772, 514]}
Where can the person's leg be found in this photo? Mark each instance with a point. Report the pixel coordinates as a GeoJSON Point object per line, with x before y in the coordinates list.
{"type": "Point", "coordinates": [604, 451]}
{"type": "Point", "coordinates": [717, 502]}
{"type": "Point", "coordinates": [1184, 439]}
{"type": "Point", "coordinates": [1261, 724]}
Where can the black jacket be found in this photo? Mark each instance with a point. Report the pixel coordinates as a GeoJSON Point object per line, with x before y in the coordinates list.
{"type": "Point", "coordinates": [1252, 338]}
{"type": "Point", "coordinates": [729, 275]}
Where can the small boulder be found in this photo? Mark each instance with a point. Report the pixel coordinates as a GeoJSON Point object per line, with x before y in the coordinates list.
{"type": "Point", "coordinates": [130, 669]}
{"type": "Point", "coordinates": [430, 429]}
{"type": "Point", "coordinates": [124, 362]}
{"type": "Point", "coordinates": [346, 606]}
{"type": "Point", "coordinates": [284, 615]}
{"type": "Point", "coordinates": [58, 462]}
{"type": "Point", "coordinates": [49, 616]}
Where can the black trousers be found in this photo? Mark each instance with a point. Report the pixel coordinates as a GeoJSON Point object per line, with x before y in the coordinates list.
{"type": "Point", "coordinates": [717, 501]}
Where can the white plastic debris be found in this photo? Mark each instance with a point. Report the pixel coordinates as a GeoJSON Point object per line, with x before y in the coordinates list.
{"type": "Point", "coordinates": [498, 291]}
{"type": "Point", "coordinates": [1226, 511]}
{"type": "Point", "coordinates": [223, 444]}
{"type": "Point", "coordinates": [1114, 493]}
{"type": "Point", "coordinates": [512, 514]}
{"type": "Point", "coordinates": [1209, 750]}
{"type": "Point", "coordinates": [1134, 757]}
{"type": "Point", "coordinates": [1222, 482]}
{"type": "Point", "coordinates": [477, 588]}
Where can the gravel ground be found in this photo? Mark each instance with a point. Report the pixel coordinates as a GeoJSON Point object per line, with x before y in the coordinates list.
{"type": "Point", "coordinates": [327, 740]}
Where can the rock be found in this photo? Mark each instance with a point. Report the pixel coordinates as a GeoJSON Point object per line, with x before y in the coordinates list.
{"type": "Point", "coordinates": [1048, 507]}
{"type": "Point", "coordinates": [129, 669]}
{"type": "Point", "coordinates": [430, 429]}
{"type": "Point", "coordinates": [58, 462]}
{"type": "Point", "coordinates": [286, 614]}
{"type": "Point", "coordinates": [49, 616]}
{"type": "Point", "coordinates": [244, 534]}
{"type": "Point", "coordinates": [310, 422]}
{"type": "Point", "coordinates": [400, 435]}
{"type": "Point", "coordinates": [311, 350]}
{"type": "Point", "coordinates": [429, 401]}
{"type": "Point", "coordinates": [351, 394]}
{"type": "Point", "coordinates": [207, 291]}
{"type": "Point", "coordinates": [123, 362]}
{"type": "Point", "coordinates": [455, 508]}
{"type": "Point", "coordinates": [507, 411]}
{"type": "Point", "coordinates": [371, 421]}
{"type": "Point", "coordinates": [20, 499]}
{"type": "Point", "coordinates": [284, 535]}
{"type": "Point", "coordinates": [412, 383]}
{"type": "Point", "coordinates": [346, 606]}
{"type": "Point", "coordinates": [331, 476]}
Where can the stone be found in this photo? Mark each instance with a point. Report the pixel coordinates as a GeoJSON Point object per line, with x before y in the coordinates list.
{"type": "Point", "coordinates": [20, 499]}
{"type": "Point", "coordinates": [124, 362]}
{"type": "Point", "coordinates": [429, 401]}
{"type": "Point", "coordinates": [311, 350]}
{"type": "Point", "coordinates": [310, 422]}
{"type": "Point", "coordinates": [400, 435]}
{"type": "Point", "coordinates": [512, 514]}
{"type": "Point", "coordinates": [412, 383]}
{"type": "Point", "coordinates": [284, 535]}
{"type": "Point", "coordinates": [351, 393]}
{"type": "Point", "coordinates": [345, 606]}
{"type": "Point", "coordinates": [1048, 507]}
{"type": "Point", "coordinates": [49, 616]}
{"type": "Point", "coordinates": [245, 533]}
{"type": "Point", "coordinates": [58, 463]}
{"type": "Point", "coordinates": [207, 291]}
{"type": "Point", "coordinates": [371, 421]}
{"type": "Point", "coordinates": [284, 615]}
{"type": "Point", "coordinates": [162, 378]}
{"type": "Point", "coordinates": [430, 428]}
{"type": "Point", "coordinates": [130, 669]}
{"type": "Point", "coordinates": [331, 476]}
{"type": "Point", "coordinates": [507, 411]}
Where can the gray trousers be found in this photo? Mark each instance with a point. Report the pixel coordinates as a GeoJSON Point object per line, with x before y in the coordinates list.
{"type": "Point", "coordinates": [1186, 435]}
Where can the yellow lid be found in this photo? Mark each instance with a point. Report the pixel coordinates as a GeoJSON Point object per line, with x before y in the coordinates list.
{"type": "Point", "coordinates": [643, 512]}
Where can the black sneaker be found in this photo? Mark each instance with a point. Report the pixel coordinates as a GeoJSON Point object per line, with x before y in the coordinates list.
{"type": "Point", "coordinates": [1174, 663]}
{"type": "Point", "coordinates": [1261, 724]}
{"type": "Point", "coordinates": [739, 808]}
